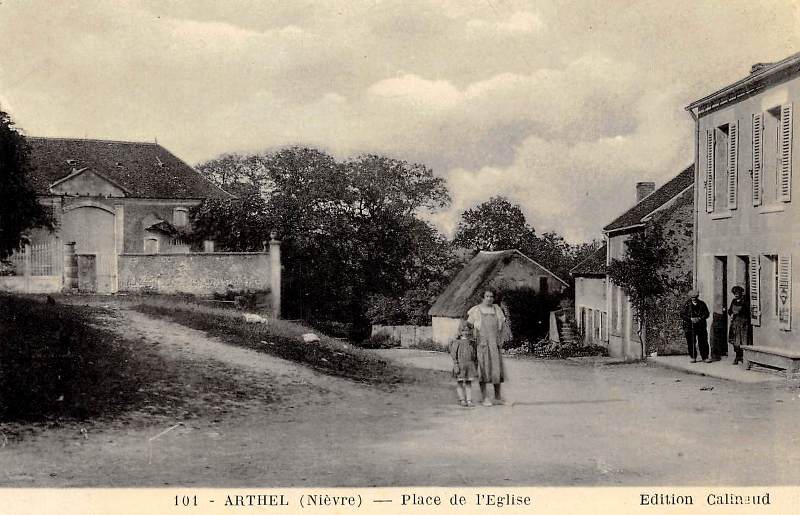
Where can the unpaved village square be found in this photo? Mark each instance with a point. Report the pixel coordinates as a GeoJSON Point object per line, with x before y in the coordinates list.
{"type": "Point", "coordinates": [566, 424]}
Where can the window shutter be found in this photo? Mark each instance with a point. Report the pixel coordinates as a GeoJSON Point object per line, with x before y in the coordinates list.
{"type": "Point", "coordinates": [733, 164]}
{"type": "Point", "coordinates": [758, 131]}
{"type": "Point", "coordinates": [785, 292]}
{"type": "Point", "coordinates": [755, 290]}
{"type": "Point", "coordinates": [785, 171]}
{"type": "Point", "coordinates": [709, 171]}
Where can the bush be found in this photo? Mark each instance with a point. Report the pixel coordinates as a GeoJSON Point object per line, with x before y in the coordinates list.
{"type": "Point", "coordinates": [54, 364]}
{"type": "Point", "coordinates": [244, 299]}
{"type": "Point", "coordinates": [379, 341]}
{"type": "Point", "coordinates": [558, 350]}
{"type": "Point", "coordinates": [428, 344]}
{"type": "Point", "coordinates": [664, 328]}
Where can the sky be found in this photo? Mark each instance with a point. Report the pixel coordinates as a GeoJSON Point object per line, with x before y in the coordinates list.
{"type": "Point", "coordinates": [561, 106]}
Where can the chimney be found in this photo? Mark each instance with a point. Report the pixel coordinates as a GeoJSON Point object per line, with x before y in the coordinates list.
{"type": "Point", "coordinates": [758, 67]}
{"type": "Point", "coordinates": [644, 189]}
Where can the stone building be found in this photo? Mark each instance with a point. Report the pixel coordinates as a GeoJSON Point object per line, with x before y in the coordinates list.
{"type": "Point", "coordinates": [120, 210]}
{"type": "Point", "coordinates": [671, 206]}
{"type": "Point", "coordinates": [492, 270]}
{"type": "Point", "coordinates": [591, 313]}
{"type": "Point", "coordinates": [748, 223]}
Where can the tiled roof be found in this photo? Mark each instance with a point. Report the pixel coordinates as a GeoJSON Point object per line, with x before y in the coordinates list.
{"type": "Point", "coordinates": [761, 75]}
{"type": "Point", "coordinates": [145, 170]}
{"type": "Point", "coordinates": [595, 264]}
{"type": "Point", "coordinates": [465, 289]}
{"type": "Point", "coordinates": [658, 198]}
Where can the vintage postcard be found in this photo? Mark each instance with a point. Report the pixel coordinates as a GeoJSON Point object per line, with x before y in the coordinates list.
{"type": "Point", "coordinates": [415, 256]}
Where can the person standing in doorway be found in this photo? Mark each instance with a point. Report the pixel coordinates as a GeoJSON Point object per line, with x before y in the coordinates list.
{"type": "Point", "coordinates": [739, 312]}
{"type": "Point", "coordinates": [694, 315]}
{"type": "Point", "coordinates": [489, 321]}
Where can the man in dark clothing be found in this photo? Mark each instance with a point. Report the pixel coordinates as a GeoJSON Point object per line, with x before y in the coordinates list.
{"type": "Point", "coordinates": [694, 315]}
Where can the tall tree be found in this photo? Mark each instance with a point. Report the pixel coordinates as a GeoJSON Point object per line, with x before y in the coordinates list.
{"type": "Point", "coordinates": [497, 224]}
{"type": "Point", "coordinates": [19, 209]}
{"type": "Point", "coordinates": [350, 229]}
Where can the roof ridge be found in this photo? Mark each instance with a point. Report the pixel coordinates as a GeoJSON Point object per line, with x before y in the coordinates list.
{"type": "Point", "coordinates": [674, 179]}
{"type": "Point", "coordinates": [591, 254]}
{"type": "Point", "coordinates": [96, 140]}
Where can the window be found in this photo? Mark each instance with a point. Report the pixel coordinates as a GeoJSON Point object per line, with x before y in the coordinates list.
{"type": "Point", "coordinates": [771, 286]}
{"type": "Point", "coordinates": [597, 324]}
{"type": "Point", "coordinates": [151, 246]}
{"type": "Point", "coordinates": [720, 176]}
{"type": "Point", "coordinates": [722, 170]}
{"type": "Point", "coordinates": [771, 282]}
{"type": "Point", "coordinates": [772, 155]}
{"type": "Point", "coordinates": [543, 286]}
{"type": "Point", "coordinates": [180, 217]}
{"type": "Point", "coordinates": [603, 327]}
{"type": "Point", "coordinates": [582, 321]}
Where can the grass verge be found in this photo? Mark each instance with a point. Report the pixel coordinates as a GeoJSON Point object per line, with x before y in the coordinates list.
{"type": "Point", "coordinates": [54, 363]}
{"type": "Point", "coordinates": [61, 364]}
{"type": "Point", "coordinates": [279, 338]}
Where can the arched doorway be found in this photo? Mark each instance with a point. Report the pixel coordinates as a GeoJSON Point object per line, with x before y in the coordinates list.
{"type": "Point", "coordinates": [91, 226]}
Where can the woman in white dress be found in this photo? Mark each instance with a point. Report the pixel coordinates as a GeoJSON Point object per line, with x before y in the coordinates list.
{"type": "Point", "coordinates": [489, 322]}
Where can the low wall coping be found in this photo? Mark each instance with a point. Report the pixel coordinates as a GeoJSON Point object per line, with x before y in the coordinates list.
{"type": "Point", "coordinates": [131, 254]}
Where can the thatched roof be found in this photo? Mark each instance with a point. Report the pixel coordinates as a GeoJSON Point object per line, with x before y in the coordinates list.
{"type": "Point", "coordinates": [465, 290]}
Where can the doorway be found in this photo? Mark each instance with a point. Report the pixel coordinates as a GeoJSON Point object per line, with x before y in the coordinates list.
{"type": "Point", "coordinates": [742, 278]}
{"type": "Point", "coordinates": [719, 309]}
{"type": "Point", "coordinates": [91, 227]}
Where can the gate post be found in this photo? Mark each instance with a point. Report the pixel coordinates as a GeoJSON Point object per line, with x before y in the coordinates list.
{"type": "Point", "coordinates": [70, 267]}
{"type": "Point", "coordinates": [275, 273]}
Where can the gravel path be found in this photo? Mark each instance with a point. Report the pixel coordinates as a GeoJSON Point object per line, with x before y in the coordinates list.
{"type": "Point", "coordinates": [566, 424]}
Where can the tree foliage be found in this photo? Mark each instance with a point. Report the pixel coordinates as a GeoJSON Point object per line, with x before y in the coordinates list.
{"type": "Point", "coordinates": [350, 229]}
{"type": "Point", "coordinates": [642, 274]}
{"type": "Point", "coordinates": [498, 224]}
{"type": "Point", "coordinates": [19, 209]}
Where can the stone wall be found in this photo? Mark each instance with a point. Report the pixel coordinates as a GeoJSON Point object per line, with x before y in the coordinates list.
{"type": "Point", "coordinates": [200, 274]}
{"type": "Point", "coordinates": [407, 335]}
{"type": "Point", "coordinates": [665, 334]}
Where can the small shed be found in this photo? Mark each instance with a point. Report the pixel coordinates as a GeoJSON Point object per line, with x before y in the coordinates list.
{"type": "Point", "coordinates": [493, 270]}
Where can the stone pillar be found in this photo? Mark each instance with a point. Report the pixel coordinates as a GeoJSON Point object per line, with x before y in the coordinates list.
{"type": "Point", "coordinates": [119, 242]}
{"type": "Point", "coordinates": [119, 228]}
{"type": "Point", "coordinates": [70, 267]}
{"type": "Point", "coordinates": [275, 273]}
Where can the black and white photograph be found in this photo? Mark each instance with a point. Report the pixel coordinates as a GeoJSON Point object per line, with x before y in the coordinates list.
{"type": "Point", "coordinates": [295, 246]}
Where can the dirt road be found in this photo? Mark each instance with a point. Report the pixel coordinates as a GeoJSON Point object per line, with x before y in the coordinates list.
{"type": "Point", "coordinates": [567, 424]}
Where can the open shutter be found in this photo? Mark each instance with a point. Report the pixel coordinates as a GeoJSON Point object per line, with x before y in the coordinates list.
{"type": "Point", "coordinates": [758, 131]}
{"type": "Point", "coordinates": [733, 164]}
{"type": "Point", "coordinates": [709, 171]}
{"type": "Point", "coordinates": [785, 171]}
{"type": "Point", "coordinates": [785, 292]}
{"type": "Point", "coordinates": [755, 290]}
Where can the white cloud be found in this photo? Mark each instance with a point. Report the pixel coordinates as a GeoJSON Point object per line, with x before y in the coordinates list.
{"type": "Point", "coordinates": [562, 109]}
{"type": "Point", "coordinates": [417, 91]}
{"type": "Point", "coordinates": [517, 22]}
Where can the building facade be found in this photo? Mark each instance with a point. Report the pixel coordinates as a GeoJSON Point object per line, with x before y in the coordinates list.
{"type": "Point", "coordinates": [671, 206]}
{"type": "Point", "coordinates": [121, 209]}
{"type": "Point", "coordinates": [591, 313]}
{"type": "Point", "coordinates": [747, 219]}
{"type": "Point", "coordinates": [502, 269]}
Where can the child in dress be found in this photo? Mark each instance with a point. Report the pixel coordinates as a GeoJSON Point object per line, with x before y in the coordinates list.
{"type": "Point", "coordinates": [462, 350]}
